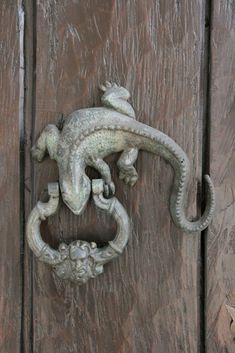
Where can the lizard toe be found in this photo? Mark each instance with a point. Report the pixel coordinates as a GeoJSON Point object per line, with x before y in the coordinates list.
{"type": "Point", "coordinates": [109, 189]}
{"type": "Point", "coordinates": [37, 154]}
{"type": "Point", "coordinates": [129, 177]}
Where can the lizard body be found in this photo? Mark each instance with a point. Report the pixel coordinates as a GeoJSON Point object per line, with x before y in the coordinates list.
{"type": "Point", "coordinates": [89, 135]}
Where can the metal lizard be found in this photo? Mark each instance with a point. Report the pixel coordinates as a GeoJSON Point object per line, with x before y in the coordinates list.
{"type": "Point", "coordinates": [89, 135]}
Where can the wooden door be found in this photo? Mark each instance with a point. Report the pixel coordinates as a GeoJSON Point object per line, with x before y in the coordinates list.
{"type": "Point", "coordinates": [168, 291]}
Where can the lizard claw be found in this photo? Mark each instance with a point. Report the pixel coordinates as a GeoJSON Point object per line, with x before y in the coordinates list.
{"type": "Point", "coordinates": [109, 189]}
{"type": "Point", "coordinates": [37, 154]}
{"type": "Point", "coordinates": [107, 85]}
{"type": "Point", "coordinates": [129, 177]}
{"type": "Point", "coordinates": [102, 87]}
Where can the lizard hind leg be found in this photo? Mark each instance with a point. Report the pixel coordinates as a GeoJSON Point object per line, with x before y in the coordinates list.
{"type": "Point", "coordinates": [47, 142]}
{"type": "Point", "coordinates": [127, 171]}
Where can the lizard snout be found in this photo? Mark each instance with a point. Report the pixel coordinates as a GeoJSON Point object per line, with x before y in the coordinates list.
{"type": "Point", "coordinates": [75, 203]}
{"type": "Point", "coordinates": [75, 197]}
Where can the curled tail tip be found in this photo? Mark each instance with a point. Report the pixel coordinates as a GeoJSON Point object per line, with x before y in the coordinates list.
{"type": "Point", "coordinates": [206, 218]}
{"type": "Point", "coordinates": [208, 180]}
{"type": "Point", "coordinates": [210, 193]}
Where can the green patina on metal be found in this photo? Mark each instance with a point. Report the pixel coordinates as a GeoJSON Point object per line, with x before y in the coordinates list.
{"type": "Point", "coordinates": [90, 135]}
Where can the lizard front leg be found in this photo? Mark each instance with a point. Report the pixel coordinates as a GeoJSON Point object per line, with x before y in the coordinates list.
{"type": "Point", "coordinates": [47, 142]}
{"type": "Point", "coordinates": [102, 167]}
{"type": "Point", "coordinates": [125, 164]}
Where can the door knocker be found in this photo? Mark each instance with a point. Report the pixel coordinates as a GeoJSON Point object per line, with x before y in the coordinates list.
{"type": "Point", "coordinates": [87, 137]}
{"type": "Point", "coordinates": [79, 260]}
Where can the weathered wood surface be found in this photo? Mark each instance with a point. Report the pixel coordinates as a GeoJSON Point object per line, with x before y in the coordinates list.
{"type": "Point", "coordinates": [221, 237]}
{"type": "Point", "coordinates": [147, 300]}
{"type": "Point", "coordinates": [10, 266]}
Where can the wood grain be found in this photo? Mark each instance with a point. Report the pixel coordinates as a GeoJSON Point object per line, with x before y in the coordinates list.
{"type": "Point", "coordinates": [10, 110]}
{"type": "Point", "coordinates": [147, 300]}
{"type": "Point", "coordinates": [221, 237]}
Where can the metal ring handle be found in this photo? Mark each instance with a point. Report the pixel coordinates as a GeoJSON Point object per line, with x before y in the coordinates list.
{"type": "Point", "coordinates": [80, 260]}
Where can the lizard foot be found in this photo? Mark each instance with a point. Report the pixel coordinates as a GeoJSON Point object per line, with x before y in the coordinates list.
{"type": "Point", "coordinates": [129, 176]}
{"type": "Point", "coordinates": [109, 189]}
{"type": "Point", "coordinates": [37, 153]}
{"type": "Point", "coordinates": [107, 85]}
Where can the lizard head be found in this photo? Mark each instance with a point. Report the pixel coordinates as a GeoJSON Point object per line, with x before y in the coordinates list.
{"type": "Point", "coordinates": [75, 190]}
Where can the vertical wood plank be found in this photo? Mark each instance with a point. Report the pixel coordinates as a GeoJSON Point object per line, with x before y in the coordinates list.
{"type": "Point", "coordinates": [221, 235]}
{"type": "Point", "coordinates": [29, 107]}
{"type": "Point", "coordinates": [147, 300]}
{"type": "Point", "coordinates": [10, 264]}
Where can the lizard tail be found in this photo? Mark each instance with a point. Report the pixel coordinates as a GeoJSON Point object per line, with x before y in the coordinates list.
{"type": "Point", "coordinates": [162, 144]}
{"type": "Point", "coordinates": [177, 208]}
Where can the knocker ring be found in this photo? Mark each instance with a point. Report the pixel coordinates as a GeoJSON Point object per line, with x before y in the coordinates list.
{"type": "Point", "coordinates": [80, 260]}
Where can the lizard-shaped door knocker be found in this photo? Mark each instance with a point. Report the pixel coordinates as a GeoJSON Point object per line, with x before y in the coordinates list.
{"type": "Point", "coordinates": [87, 137]}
